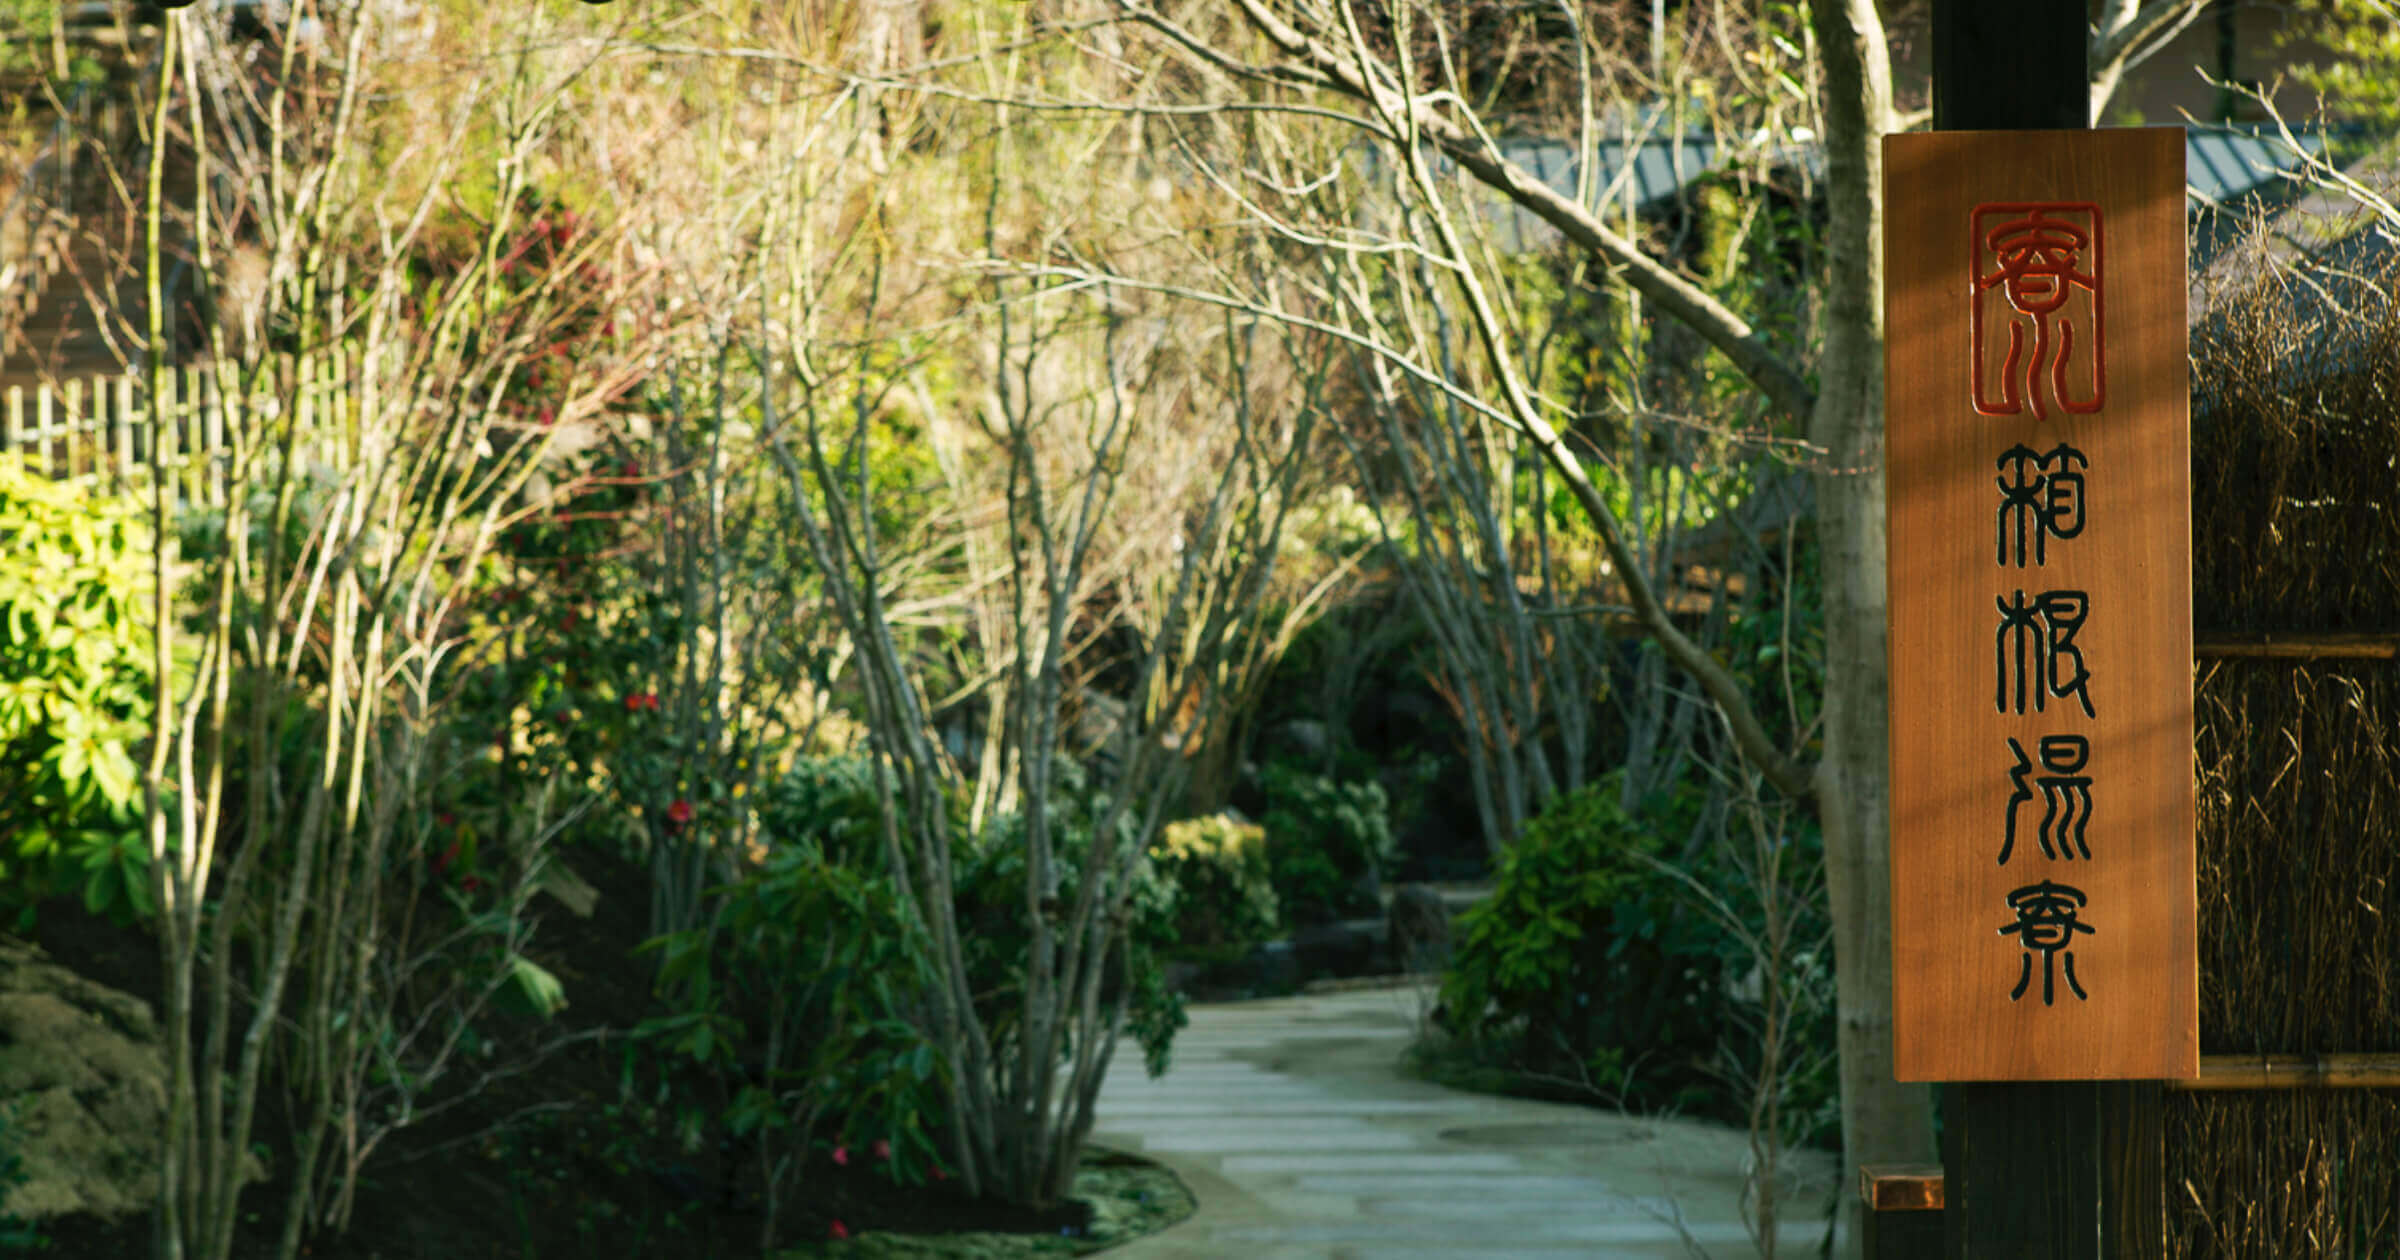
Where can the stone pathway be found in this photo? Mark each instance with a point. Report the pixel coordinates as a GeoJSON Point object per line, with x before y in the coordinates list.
{"type": "Point", "coordinates": [1293, 1123]}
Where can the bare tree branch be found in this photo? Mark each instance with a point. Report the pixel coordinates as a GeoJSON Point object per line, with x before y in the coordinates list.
{"type": "Point", "coordinates": [2126, 35]}
{"type": "Point", "coordinates": [1424, 116]}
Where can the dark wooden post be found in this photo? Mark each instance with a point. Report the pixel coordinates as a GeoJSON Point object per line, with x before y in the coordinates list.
{"type": "Point", "coordinates": [2073, 1171]}
{"type": "Point", "coordinates": [2010, 65]}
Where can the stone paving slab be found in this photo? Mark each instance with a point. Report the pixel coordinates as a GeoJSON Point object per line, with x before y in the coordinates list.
{"type": "Point", "coordinates": [1440, 1162]}
{"type": "Point", "coordinates": [1302, 1103]}
{"type": "Point", "coordinates": [1235, 1140]}
{"type": "Point", "coordinates": [1510, 1183]}
{"type": "Point", "coordinates": [1410, 1232]}
{"type": "Point", "coordinates": [1294, 1125]}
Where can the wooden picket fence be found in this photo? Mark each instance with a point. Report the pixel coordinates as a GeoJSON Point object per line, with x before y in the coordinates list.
{"type": "Point", "coordinates": [98, 430]}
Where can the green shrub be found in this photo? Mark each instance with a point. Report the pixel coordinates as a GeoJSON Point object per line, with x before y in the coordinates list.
{"type": "Point", "coordinates": [805, 997]}
{"type": "Point", "coordinates": [1325, 838]}
{"type": "Point", "coordinates": [990, 886]}
{"type": "Point", "coordinates": [809, 997]}
{"type": "Point", "coordinates": [1590, 964]}
{"type": "Point", "coordinates": [1225, 892]}
{"type": "Point", "coordinates": [75, 693]}
{"type": "Point", "coordinates": [831, 800]}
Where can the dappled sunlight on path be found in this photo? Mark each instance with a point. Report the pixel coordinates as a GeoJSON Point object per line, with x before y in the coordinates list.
{"type": "Point", "coordinates": [1293, 1122]}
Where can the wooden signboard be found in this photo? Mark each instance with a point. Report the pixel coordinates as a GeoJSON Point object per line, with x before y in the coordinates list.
{"type": "Point", "coordinates": [2040, 581]}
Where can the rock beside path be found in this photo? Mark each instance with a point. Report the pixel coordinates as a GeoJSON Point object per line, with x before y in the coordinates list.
{"type": "Point", "coordinates": [83, 1073]}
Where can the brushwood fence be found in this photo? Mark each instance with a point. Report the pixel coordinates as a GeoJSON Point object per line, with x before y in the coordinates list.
{"type": "Point", "coordinates": [2295, 1150]}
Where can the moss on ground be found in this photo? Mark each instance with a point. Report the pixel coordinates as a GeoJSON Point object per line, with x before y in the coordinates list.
{"type": "Point", "coordinates": [1129, 1197]}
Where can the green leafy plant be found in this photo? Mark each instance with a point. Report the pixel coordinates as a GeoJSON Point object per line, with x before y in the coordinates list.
{"type": "Point", "coordinates": [1589, 966]}
{"type": "Point", "coordinates": [830, 800]}
{"type": "Point", "coordinates": [991, 898]}
{"type": "Point", "coordinates": [1225, 891]}
{"type": "Point", "coordinates": [75, 684]}
{"type": "Point", "coordinates": [2351, 55]}
{"type": "Point", "coordinates": [803, 996]}
{"type": "Point", "coordinates": [1592, 968]}
{"type": "Point", "coordinates": [1328, 842]}
{"type": "Point", "coordinates": [574, 691]}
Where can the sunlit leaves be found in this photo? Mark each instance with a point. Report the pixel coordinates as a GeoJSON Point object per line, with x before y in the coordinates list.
{"type": "Point", "coordinates": [74, 691]}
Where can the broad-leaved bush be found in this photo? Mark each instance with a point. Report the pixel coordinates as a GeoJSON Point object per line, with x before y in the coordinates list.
{"type": "Point", "coordinates": [992, 916]}
{"type": "Point", "coordinates": [806, 996]}
{"type": "Point", "coordinates": [1225, 891]}
{"type": "Point", "coordinates": [1590, 964]}
{"type": "Point", "coordinates": [76, 679]}
{"type": "Point", "coordinates": [1329, 842]}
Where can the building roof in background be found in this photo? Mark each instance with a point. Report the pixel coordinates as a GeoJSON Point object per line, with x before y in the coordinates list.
{"type": "Point", "coordinates": [2222, 164]}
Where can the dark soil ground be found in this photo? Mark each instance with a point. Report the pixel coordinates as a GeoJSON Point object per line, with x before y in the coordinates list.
{"type": "Point", "coordinates": [572, 1159]}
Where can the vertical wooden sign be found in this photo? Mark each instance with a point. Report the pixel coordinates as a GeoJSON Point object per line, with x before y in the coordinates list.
{"type": "Point", "coordinates": [2037, 481]}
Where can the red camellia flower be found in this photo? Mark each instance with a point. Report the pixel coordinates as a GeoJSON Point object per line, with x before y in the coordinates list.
{"type": "Point", "coordinates": [839, 1230]}
{"type": "Point", "coordinates": [680, 813]}
{"type": "Point", "coordinates": [841, 1155]}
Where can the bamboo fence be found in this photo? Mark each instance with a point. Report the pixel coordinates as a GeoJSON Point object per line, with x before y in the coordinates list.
{"type": "Point", "coordinates": [97, 431]}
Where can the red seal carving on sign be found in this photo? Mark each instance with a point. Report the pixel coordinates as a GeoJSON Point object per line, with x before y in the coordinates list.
{"type": "Point", "coordinates": [2039, 343]}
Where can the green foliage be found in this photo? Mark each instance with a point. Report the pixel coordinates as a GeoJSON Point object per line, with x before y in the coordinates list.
{"type": "Point", "coordinates": [1590, 964]}
{"type": "Point", "coordinates": [805, 997]}
{"type": "Point", "coordinates": [902, 476]}
{"type": "Point", "coordinates": [1521, 951]}
{"type": "Point", "coordinates": [1226, 893]}
{"type": "Point", "coordinates": [76, 684]}
{"type": "Point", "coordinates": [830, 801]}
{"type": "Point", "coordinates": [2354, 51]}
{"type": "Point", "coordinates": [583, 691]}
{"type": "Point", "coordinates": [992, 916]}
{"type": "Point", "coordinates": [1325, 837]}
{"type": "Point", "coordinates": [1336, 523]}
{"type": "Point", "coordinates": [25, 27]}
{"type": "Point", "coordinates": [27, 17]}
{"type": "Point", "coordinates": [16, 1233]}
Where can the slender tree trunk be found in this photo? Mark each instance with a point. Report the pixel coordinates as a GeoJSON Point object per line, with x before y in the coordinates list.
{"type": "Point", "coordinates": [1882, 1120]}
